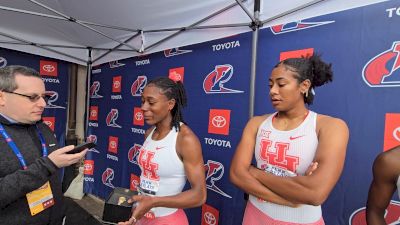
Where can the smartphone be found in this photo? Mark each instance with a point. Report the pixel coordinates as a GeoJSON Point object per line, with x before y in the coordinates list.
{"type": "Point", "coordinates": [82, 147]}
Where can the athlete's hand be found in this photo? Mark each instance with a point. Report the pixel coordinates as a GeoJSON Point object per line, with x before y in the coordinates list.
{"type": "Point", "coordinates": [142, 205]}
{"type": "Point", "coordinates": [60, 158]}
{"type": "Point", "coordinates": [311, 168]}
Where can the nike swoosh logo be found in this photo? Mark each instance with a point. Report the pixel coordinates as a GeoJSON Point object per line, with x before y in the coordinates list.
{"type": "Point", "coordinates": [51, 145]}
{"type": "Point", "coordinates": [158, 148]}
{"type": "Point", "coordinates": [293, 138]}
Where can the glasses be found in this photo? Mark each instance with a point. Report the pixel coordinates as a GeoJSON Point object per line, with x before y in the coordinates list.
{"type": "Point", "coordinates": [32, 98]}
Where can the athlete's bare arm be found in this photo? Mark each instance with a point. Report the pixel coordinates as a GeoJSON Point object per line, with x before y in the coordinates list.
{"type": "Point", "coordinates": [241, 164]}
{"type": "Point", "coordinates": [189, 150]}
{"type": "Point", "coordinates": [333, 136]}
{"type": "Point", "coordinates": [386, 170]}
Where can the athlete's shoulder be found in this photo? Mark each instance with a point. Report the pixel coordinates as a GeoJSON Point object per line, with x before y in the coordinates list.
{"type": "Point", "coordinates": [389, 158]}
{"type": "Point", "coordinates": [387, 164]}
{"type": "Point", "coordinates": [148, 131]}
{"type": "Point", "coordinates": [186, 132]}
{"type": "Point", "coordinates": [257, 120]}
{"type": "Point", "coordinates": [330, 121]}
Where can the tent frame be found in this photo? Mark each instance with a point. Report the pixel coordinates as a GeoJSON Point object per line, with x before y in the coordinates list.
{"type": "Point", "coordinates": [255, 26]}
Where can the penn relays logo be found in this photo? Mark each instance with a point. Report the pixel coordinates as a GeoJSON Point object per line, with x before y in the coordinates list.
{"type": "Point", "coordinates": [216, 79]}
{"type": "Point", "coordinates": [175, 51]}
{"type": "Point", "coordinates": [3, 62]}
{"type": "Point", "coordinates": [133, 153]}
{"type": "Point", "coordinates": [94, 89]}
{"type": "Point", "coordinates": [92, 138]}
{"type": "Point", "coordinates": [214, 172]}
{"type": "Point", "coordinates": [392, 215]}
{"type": "Point", "coordinates": [112, 118]}
{"type": "Point", "coordinates": [296, 26]}
{"type": "Point", "coordinates": [53, 98]}
{"type": "Point", "coordinates": [383, 69]}
{"type": "Point", "coordinates": [115, 64]}
{"type": "Point", "coordinates": [107, 177]}
{"type": "Point", "coordinates": [138, 86]}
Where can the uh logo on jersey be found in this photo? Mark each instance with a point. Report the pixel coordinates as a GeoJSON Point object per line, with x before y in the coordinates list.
{"type": "Point", "coordinates": [107, 177]}
{"type": "Point", "coordinates": [383, 69]}
{"type": "Point", "coordinates": [138, 86]}
{"type": "Point", "coordinates": [214, 172]}
{"type": "Point", "coordinates": [392, 215]}
{"type": "Point", "coordinates": [216, 79]}
{"type": "Point", "coordinates": [53, 98]}
{"type": "Point", "coordinates": [94, 89]}
{"type": "Point", "coordinates": [133, 153]}
{"type": "Point", "coordinates": [111, 118]}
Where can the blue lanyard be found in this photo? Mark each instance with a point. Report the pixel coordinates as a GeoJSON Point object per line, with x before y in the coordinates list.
{"type": "Point", "coordinates": [15, 149]}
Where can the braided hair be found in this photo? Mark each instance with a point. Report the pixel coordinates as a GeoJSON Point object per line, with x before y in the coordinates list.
{"type": "Point", "coordinates": [312, 68]}
{"type": "Point", "coordinates": [173, 90]}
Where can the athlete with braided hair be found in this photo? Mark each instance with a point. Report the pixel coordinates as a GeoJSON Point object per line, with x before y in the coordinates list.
{"type": "Point", "coordinates": [170, 154]}
{"type": "Point", "coordinates": [299, 153]}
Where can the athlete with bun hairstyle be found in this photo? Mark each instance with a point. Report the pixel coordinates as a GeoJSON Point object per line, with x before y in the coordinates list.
{"type": "Point", "coordinates": [300, 154]}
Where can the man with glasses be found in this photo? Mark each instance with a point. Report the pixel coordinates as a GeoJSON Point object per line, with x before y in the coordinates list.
{"type": "Point", "coordinates": [30, 158]}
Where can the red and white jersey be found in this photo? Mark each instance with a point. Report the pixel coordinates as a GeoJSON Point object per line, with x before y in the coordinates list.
{"type": "Point", "coordinates": [163, 172]}
{"type": "Point", "coordinates": [292, 151]}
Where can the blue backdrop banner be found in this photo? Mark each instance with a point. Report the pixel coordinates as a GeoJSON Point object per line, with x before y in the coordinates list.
{"type": "Point", "coordinates": [363, 46]}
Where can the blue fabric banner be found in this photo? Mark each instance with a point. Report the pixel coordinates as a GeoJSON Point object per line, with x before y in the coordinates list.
{"type": "Point", "coordinates": [363, 46]}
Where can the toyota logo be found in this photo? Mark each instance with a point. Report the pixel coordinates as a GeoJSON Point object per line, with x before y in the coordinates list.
{"type": "Point", "coordinates": [176, 76]}
{"type": "Point", "coordinates": [3, 62]}
{"type": "Point", "coordinates": [135, 183]}
{"type": "Point", "coordinates": [88, 167]}
{"type": "Point", "coordinates": [48, 123]}
{"type": "Point", "coordinates": [93, 113]}
{"type": "Point", "coordinates": [396, 134]}
{"type": "Point", "coordinates": [117, 84]}
{"type": "Point", "coordinates": [218, 121]}
{"type": "Point", "coordinates": [210, 218]}
{"type": "Point", "coordinates": [113, 144]}
{"type": "Point", "coordinates": [139, 116]}
{"type": "Point", "coordinates": [48, 68]}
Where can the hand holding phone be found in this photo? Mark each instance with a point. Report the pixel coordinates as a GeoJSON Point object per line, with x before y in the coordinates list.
{"type": "Point", "coordinates": [82, 147]}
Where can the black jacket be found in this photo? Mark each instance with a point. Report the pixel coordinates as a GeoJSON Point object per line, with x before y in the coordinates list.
{"type": "Point", "coordinates": [15, 182]}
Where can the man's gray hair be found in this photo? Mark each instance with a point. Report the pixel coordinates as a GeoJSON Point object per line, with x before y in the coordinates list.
{"type": "Point", "coordinates": [7, 76]}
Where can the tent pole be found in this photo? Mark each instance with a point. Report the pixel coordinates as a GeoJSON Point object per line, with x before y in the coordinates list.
{"type": "Point", "coordinates": [88, 81]}
{"type": "Point", "coordinates": [256, 28]}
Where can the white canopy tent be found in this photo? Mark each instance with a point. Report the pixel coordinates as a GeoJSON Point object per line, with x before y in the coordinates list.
{"type": "Point", "coordinates": [71, 30]}
{"type": "Point", "coordinates": [95, 32]}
